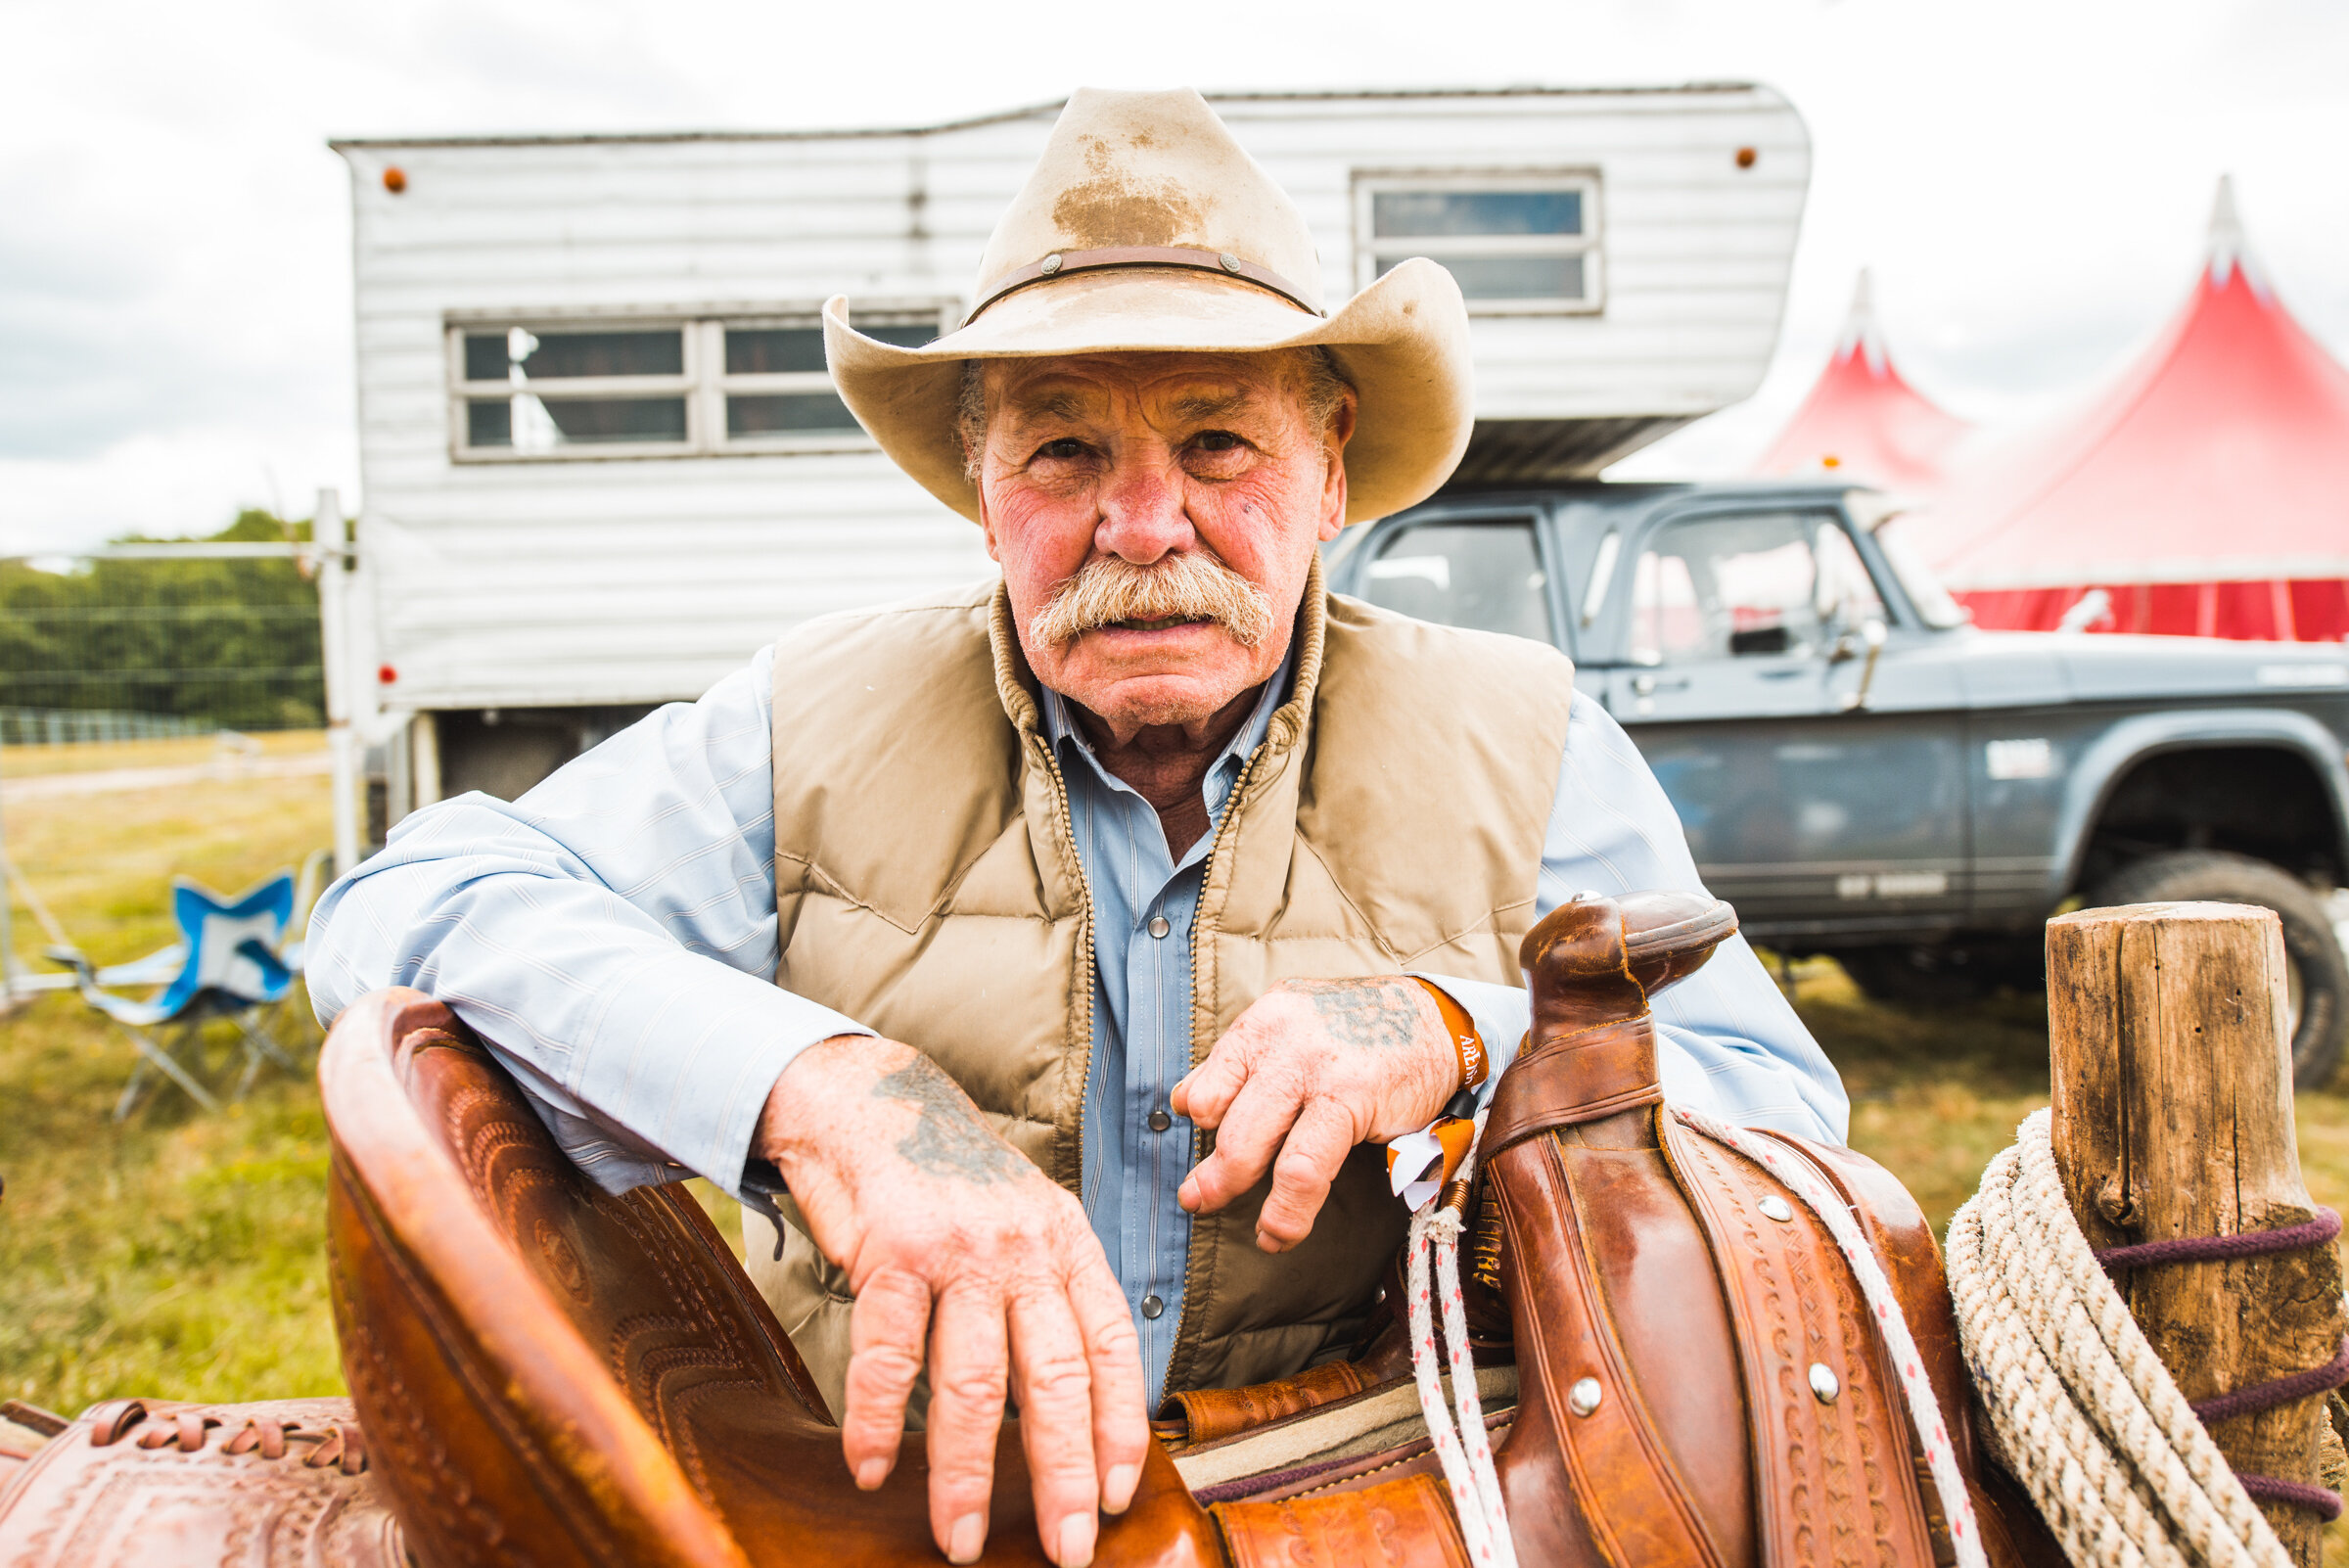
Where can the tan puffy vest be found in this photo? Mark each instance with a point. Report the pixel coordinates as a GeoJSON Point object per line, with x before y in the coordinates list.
{"type": "Point", "coordinates": [929, 887]}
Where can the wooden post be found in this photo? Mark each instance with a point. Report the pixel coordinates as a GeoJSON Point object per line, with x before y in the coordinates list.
{"type": "Point", "coordinates": [2173, 1089]}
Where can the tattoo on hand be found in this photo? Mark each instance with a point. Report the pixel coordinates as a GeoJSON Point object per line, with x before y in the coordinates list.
{"type": "Point", "coordinates": [1380, 1014]}
{"type": "Point", "coordinates": [947, 1138]}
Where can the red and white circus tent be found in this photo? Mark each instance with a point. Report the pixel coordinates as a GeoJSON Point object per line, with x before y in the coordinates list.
{"type": "Point", "coordinates": [1863, 421]}
{"type": "Point", "coordinates": [2206, 493]}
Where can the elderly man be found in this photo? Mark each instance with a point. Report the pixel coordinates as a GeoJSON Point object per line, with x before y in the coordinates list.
{"type": "Point", "coordinates": [945, 934]}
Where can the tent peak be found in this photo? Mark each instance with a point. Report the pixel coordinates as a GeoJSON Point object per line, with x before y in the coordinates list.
{"type": "Point", "coordinates": [1862, 333]}
{"type": "Point", "coordinates": [2227, 248]}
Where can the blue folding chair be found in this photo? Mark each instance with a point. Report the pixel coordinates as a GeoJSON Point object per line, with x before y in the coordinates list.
{"type": "Point", "coordinates": [231, 962]}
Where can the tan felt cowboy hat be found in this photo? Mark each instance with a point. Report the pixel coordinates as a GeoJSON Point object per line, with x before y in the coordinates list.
{"type": "Point", "coordinates": [1146, 226]}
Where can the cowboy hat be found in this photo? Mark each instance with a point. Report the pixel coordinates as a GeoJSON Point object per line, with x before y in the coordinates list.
{"type": "Point", "coordinates": [1144, 227]}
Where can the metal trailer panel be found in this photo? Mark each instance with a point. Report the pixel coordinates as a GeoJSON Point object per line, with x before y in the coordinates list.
{"type": "Point", "coordinates": [622, 579]}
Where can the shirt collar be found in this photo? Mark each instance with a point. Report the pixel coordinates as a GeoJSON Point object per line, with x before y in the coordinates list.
{"type": "Point", "coordinates": [1062, 730]}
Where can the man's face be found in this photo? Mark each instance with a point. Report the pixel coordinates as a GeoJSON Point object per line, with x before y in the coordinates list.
{"type": "Point", "coordinates": [1100, 474]}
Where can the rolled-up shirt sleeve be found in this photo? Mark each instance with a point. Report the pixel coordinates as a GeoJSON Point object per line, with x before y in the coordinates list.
{"type": "Point", "coordinates": [610, 935]}
{"type": "Point", "coordinates": [1729, 1042]}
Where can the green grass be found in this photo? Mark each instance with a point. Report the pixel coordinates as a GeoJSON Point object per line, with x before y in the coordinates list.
{"type": "Point", "coordinates": [177, 1254]}
{"type": "Point", "coordinates": [182, 1254]}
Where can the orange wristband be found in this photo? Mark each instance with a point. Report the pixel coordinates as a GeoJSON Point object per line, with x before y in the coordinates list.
{"type": "Point", "coordinates": [1470, 1045]}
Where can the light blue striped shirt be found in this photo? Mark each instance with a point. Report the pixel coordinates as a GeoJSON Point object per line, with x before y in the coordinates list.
{"type": "Point", "coordinates": [612, 935]}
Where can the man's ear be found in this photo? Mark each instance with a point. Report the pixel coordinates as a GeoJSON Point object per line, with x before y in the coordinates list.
{"type": "Point", "coordinates": [1333, 483]}
{"type": "Point", "coordinates": [986, 522]}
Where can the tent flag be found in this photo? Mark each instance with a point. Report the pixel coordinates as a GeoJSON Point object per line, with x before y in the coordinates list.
{"type": "Point", "coordinates": [1862, 420]}
{"type": "Point", "coordinates": [2205, 493]}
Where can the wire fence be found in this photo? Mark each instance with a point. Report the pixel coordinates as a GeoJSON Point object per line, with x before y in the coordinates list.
{"type": "Point", "coordinates": [214, 644]}
{"type": "Point", "coordinates": [85, 726]}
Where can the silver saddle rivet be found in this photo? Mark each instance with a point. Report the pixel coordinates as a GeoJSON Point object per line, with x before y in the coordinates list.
{"type": "Point", "coordinates": [1825, 1383]}
{"type": "Point", "coordinates": [1232, 264]}
{"type": "Point", "coordinates": [1586, 895]}
{"type": "Point", "coordinates": [1584, 1397]}
{"type": "Point", "coordinates": [1049, 266]}
{"type": "Point", "coordinates": [1776, 1208]}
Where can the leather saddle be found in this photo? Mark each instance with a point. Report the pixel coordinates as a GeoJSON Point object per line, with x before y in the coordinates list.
{"type": "Point", "coordinates": [1676, 1363]}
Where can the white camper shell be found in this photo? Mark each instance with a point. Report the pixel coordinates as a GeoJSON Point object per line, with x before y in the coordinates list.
{"type": "Point", "coordinates": [602, 464]}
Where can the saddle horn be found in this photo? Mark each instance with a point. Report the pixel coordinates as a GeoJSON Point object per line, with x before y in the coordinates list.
{"type": "Point", "coordinates": [1595, 966]}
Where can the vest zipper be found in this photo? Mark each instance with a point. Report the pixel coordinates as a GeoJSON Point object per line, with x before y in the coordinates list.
{"type": "Point", "coordinates": [1231, 817]}
{"type": "Point", "coordinates": [1085, 951]}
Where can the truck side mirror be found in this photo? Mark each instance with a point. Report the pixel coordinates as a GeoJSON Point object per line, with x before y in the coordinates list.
{"type": "Point", "coordinates": [1871, 638]}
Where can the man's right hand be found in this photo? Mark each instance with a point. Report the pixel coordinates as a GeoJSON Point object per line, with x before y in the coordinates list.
{"type": "Point", "coordinates": [958, 1247]}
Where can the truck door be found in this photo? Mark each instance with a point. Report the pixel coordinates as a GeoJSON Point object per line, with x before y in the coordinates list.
{"type": "Point", "coordinates": [1814, 804]}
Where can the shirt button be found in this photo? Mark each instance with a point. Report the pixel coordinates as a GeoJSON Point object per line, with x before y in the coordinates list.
{"type": "Point", "coordinates": [1160, 1121]}
{"type": "Point", "coordinates": [1158, 926]}
{"type": "Point", "coordinates": [1152, 1307]}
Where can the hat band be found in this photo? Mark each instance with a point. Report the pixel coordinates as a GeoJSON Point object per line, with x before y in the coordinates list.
{"type": "Point", "coordinates": [1060, 264]}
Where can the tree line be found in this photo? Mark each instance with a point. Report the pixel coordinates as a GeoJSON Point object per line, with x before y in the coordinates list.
{"type": "Point", "coordinates": [229, 643]}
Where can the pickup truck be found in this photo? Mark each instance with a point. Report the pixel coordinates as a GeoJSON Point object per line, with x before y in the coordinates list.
{"type": "Point", "coordinates": [1866, 774]}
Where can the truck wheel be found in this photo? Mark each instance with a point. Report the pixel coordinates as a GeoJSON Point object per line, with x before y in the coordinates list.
{"type": "Point", "coordinates": [2317, 977]}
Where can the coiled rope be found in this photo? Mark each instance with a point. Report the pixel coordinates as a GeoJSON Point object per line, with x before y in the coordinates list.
{"type": "Point", "coordinates": [2088, 1418]}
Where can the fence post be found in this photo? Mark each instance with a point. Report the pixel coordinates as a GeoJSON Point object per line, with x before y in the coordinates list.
{"type": "Point", "coordinates": [2173, 1117]}
{"type": "Point", "coordinates": [330, 535]}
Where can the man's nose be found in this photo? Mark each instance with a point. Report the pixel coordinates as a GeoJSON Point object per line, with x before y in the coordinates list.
{"type": "Point", "coordinates": [1142, 516]}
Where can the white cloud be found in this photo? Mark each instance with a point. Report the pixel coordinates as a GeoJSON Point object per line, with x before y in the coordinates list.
{"type": "Point", "coordinates": [2028, 180]}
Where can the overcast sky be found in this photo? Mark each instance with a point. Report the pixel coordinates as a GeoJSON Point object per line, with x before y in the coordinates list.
{"type": "Point", "coordinates": [2028, 178]}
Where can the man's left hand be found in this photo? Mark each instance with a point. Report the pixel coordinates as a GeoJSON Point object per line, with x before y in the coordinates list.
{"type": "Point", "coordinates": [1313, 1068]}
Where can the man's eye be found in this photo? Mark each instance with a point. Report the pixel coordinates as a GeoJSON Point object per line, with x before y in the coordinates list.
{"type": "Point", "coordinates": [1063, 449]}
{"type": "Point", "coordinates": [1217, 441]}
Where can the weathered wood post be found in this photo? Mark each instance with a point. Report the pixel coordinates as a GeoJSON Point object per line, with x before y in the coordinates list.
{"type": "Point", "coordinates": [2173, 1087]}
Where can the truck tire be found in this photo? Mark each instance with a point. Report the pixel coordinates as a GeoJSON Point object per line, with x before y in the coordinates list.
{"type": "Point", "coordinates": [2319, 972]}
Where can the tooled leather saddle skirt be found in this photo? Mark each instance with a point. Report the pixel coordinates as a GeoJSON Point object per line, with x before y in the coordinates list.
{"type": "Point", "coordinates": [1676, 1364]}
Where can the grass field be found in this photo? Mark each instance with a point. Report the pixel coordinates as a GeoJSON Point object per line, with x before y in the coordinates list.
{"type": "Point", "coordinates": [181, 1253]}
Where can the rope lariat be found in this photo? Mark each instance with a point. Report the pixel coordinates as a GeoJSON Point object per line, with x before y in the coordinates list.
{"type": "Point", "coordinates": [2119, 1464]}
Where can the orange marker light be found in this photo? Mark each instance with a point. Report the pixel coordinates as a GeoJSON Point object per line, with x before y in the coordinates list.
{"type": "Point", "coordinates": [395, 179]}
{"type": "Point", "coordinates": [1745, 158]}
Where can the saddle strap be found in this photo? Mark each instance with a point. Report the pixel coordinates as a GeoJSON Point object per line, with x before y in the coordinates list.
{"type": "Point", "coordinates": [1204, 1416]}
{"type": "Point", "coordinates": [1610, 1444]}
{"type": "Point", "coordinates": [1403, 1521]}
{"type": "Point", "coordinates": [1832, 1470]}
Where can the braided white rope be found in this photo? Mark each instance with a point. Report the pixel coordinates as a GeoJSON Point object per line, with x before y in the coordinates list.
{"type": "Point", "coordinates": [2098, 1430]}
{"type": "Point", "coordinates": [1924, 1407]}
{"type": "Point", "coordinates": [1464, 1450]}
{"type": "Point", "coordinates": [1467, 1501]}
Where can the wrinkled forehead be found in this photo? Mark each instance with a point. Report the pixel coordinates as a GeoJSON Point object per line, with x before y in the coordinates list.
{"type": "Point", "coordinates": [1177, 386]}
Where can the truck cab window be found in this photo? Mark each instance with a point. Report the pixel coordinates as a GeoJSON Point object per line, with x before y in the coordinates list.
{"type": "Point", "coordinates": [1484, 575]}
{"type": "Point", "coordinates": [1737, 587]}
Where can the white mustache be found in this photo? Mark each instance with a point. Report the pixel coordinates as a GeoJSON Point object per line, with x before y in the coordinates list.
{"type": "Point", "coordinates": [1193, 586]}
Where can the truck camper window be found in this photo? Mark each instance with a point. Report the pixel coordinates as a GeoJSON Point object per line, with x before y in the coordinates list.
{"type": "Point", "coordinates": [775, 385]}
{"type": "Point", "coordinates": [1486, 574]}
{"type": "Point", "coordinates": [537, 390]}
{"type": "Point", "coordinates": [1748, 585]}
{"type": "Point", "coordinates": [1517, 242]}
{"type": "Point", "coordinates": [528, 391]}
